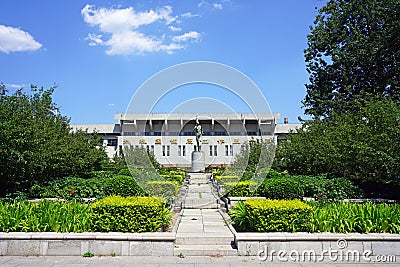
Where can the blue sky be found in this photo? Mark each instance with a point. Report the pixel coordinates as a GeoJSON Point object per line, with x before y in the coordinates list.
{"type": "Point", "coordinates": [100, 52]}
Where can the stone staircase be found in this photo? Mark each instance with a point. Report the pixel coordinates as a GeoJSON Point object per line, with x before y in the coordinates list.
{"type": "Point", "coordinates": [202, 231]}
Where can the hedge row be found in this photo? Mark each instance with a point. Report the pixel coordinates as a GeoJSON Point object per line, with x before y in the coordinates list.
{"type": "Point", "coordinates": [296, 187]}
{"type": "Point", "coordinates": [273, 215]}
{"type": "Point", "coordinates": [105, 184]}
{"type": "Point", "coordinates": [130, 214]}
{"type": "Point", "coordinates": [262, 215]}
{"type": "Point", "coordinates": [114, 213]}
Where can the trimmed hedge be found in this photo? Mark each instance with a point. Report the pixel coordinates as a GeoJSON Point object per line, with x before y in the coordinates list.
{"type": "Point", "coordinates": [123, 186]}
{"type": "Point", "coordinates": [240, 189]}
{"type": "Point", "coordinates": [226, 179]}
{"type": "Point", "coordinates": [266, 215]}
{"type": "Point", "coordinates": [281, 188]}
{"type": "Point", "coordinates": [167, 189]}
{"type": "Point", "coordinates": [128, 214]}
{"type": "Point", "coordinates": [173, 177]}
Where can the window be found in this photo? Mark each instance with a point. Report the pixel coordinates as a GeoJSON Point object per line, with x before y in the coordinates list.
{"type": "Point", "coordinates": [184, 151]}
{"type": "Point", "coordinates": [179, 150]}
{"type": "Point", "coordinates": [226, 150]}
{"type": "Point", "coordinates": [112, 142]}
{"type": "Point", "coordinates": [211, 151]}
{"type": "Point", "coordinates": [163, 151]}
{"type": "Point", "coordinates": [152, 149]}
{"type": "Point", "coordinates": [168, 150]}
{"type": "Point", "coordinates": [231, 150]}
{"type": "Point", "coordinates": [215, 151]}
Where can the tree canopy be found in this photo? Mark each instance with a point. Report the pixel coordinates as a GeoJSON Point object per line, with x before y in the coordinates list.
{"type": "Point", "coordinates": [363, 146]}
{"type": "Point", "coordinates": [36, 141]}
{"type": "Point", "coordinates": [353, 50]}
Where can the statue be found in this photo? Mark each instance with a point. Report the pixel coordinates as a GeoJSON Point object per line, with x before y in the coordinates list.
{"type": "Point", "coordinates": [199, 133]}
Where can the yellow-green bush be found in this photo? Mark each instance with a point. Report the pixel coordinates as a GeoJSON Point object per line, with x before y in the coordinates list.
{"type": "Point", "coordinates": [266, 215]}
{"type": "Point", "coordinates": [128, 214]}
{"type": "Point", "coordinates": [173, 177]}
{"type": "Point", "coordinates": [240, 189]}
{"type": "Point", "coordinates": [226, 179]}
{"type": "Point", "coordinates": [166, 189]}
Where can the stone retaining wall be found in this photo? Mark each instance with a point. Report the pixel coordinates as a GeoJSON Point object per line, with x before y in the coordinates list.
{"type": "Point", "coordinates": [75, 244]}
{"type": "Point", "coordinates": [325, 245]}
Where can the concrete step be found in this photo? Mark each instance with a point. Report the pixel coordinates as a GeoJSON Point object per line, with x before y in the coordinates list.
{"type": "Point", "coordinates": [198, 239]}
{"type": "Point", "coordinates": [201, 206]}
{"type": "Point", "coordinates": [205, 250]}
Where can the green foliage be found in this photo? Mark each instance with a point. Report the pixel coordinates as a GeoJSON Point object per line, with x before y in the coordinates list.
{"type": "Point", "coordinates": [69, 188]}
{"type": "Point", "coordinates": [173, 177]}
{"type": "Point", "coordinates": [239, 216]}
{"type": "Point", "coordinates": [37, 143]}
{"type": "Point", "coordinates": [45, 216]}
{"type": "Point", "coordinates": [226, 179]}
{"type": "Point", "coordinates": [123, 186]}
{"type": "Point", "coordinates": [355, 217]}
{"type": "Point", "coordinates": [166, 189]}
{"type": "Point", "coordinates": [125, 172]}
{"type": "Point", "coordinates": [88, 255]}
{"type": "Point", "coordinates": [254, 158]}
{"type": "Point", "coordinates": [353, 50]}
{"type": "Point", "coordinates": [362, 146]}
{"type": "Point", "coordinates": [277, 215]}
{"type": "Point", "coordinates": [240, 189]}
{"type": "Point", "coordinates": [281, 188]}
{"type": "Point", "coordinates": [128, 214]}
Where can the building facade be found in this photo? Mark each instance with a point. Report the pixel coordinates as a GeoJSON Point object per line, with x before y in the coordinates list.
{"type": "Point", "coordinates": [171, 137]}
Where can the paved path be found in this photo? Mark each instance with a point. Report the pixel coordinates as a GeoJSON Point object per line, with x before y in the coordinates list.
{"type": "Point", "coordinates": [202, 230]}
{"type": "Point", "coordinates": [194, 261]}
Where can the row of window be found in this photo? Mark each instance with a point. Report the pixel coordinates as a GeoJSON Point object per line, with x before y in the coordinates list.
{"type": "Point", "coordinates": [213, 150]}
{"type": "Point", "coordinates": [251, 133]}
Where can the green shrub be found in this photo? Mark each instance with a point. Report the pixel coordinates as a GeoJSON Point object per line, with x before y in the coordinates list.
{"type": "Point", "coordinates": [281, 188]}
{"type": "Point", "coordinates": [173, 177]}
{"type": "Point", "coordinates": [128, 214]}
{"type": "Point", "coordinates": [45, 216]}
{"type": "Point", "coordinates": [123, 186]}
{"type": "Point", "coordinates": [277, 215]}
{"type": "Point", "coordinates": [354, 217]}
{"type": "Point", "coordinates": [167, 189]}
{"type": "Point", "coordinates": [125, 172]}
{"type": "Point", "coordinates": [226, 179]}
{"type": "Point", "coordinates": [239, 216]}
{"type": "Point", "coordinates": [69, 188]}
{"type": "Point", "coordinates": [102, 174]}
{"type": "Point", "coordinates": [240, 189]}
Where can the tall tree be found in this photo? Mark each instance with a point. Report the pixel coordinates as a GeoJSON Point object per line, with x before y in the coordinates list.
{"type": "Point", "coordinates": [36, 142]}
{"type": "Point", "coordinates": [353, 50]}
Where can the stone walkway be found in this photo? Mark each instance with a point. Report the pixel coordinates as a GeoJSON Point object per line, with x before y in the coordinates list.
{"type": "Point", "coordinates": [202, 231]}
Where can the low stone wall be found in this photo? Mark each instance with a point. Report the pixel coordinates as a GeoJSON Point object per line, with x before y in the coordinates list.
{"type": "Point", "coordinates": [323, 246]}
{"type": "Point", "coordinates": [75, 244]}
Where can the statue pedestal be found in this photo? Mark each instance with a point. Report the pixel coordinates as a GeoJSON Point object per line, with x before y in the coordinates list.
{"type": "Point", "coordinates": [198, 161]}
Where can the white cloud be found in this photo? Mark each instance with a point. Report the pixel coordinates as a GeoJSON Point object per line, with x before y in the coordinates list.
{"type": "Point", "coordinates": [119, 30]}
{"type": "Point", "coordinates": [174, 29]}
{"type": "Point", "coordinates": [217, 6]}
{"type": "Point", "coordinates": [95, 39]}
{"type": "Point", "coordinates": [16, 40]}
{"type": "Point", "coordinates": [189, 15]}
{"type": "Point", "coordinates": [15, 86]}
{"type": "Point", "coordinates": [204, 3]}
{"type": "Point", "coordinates": [187, 36]}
